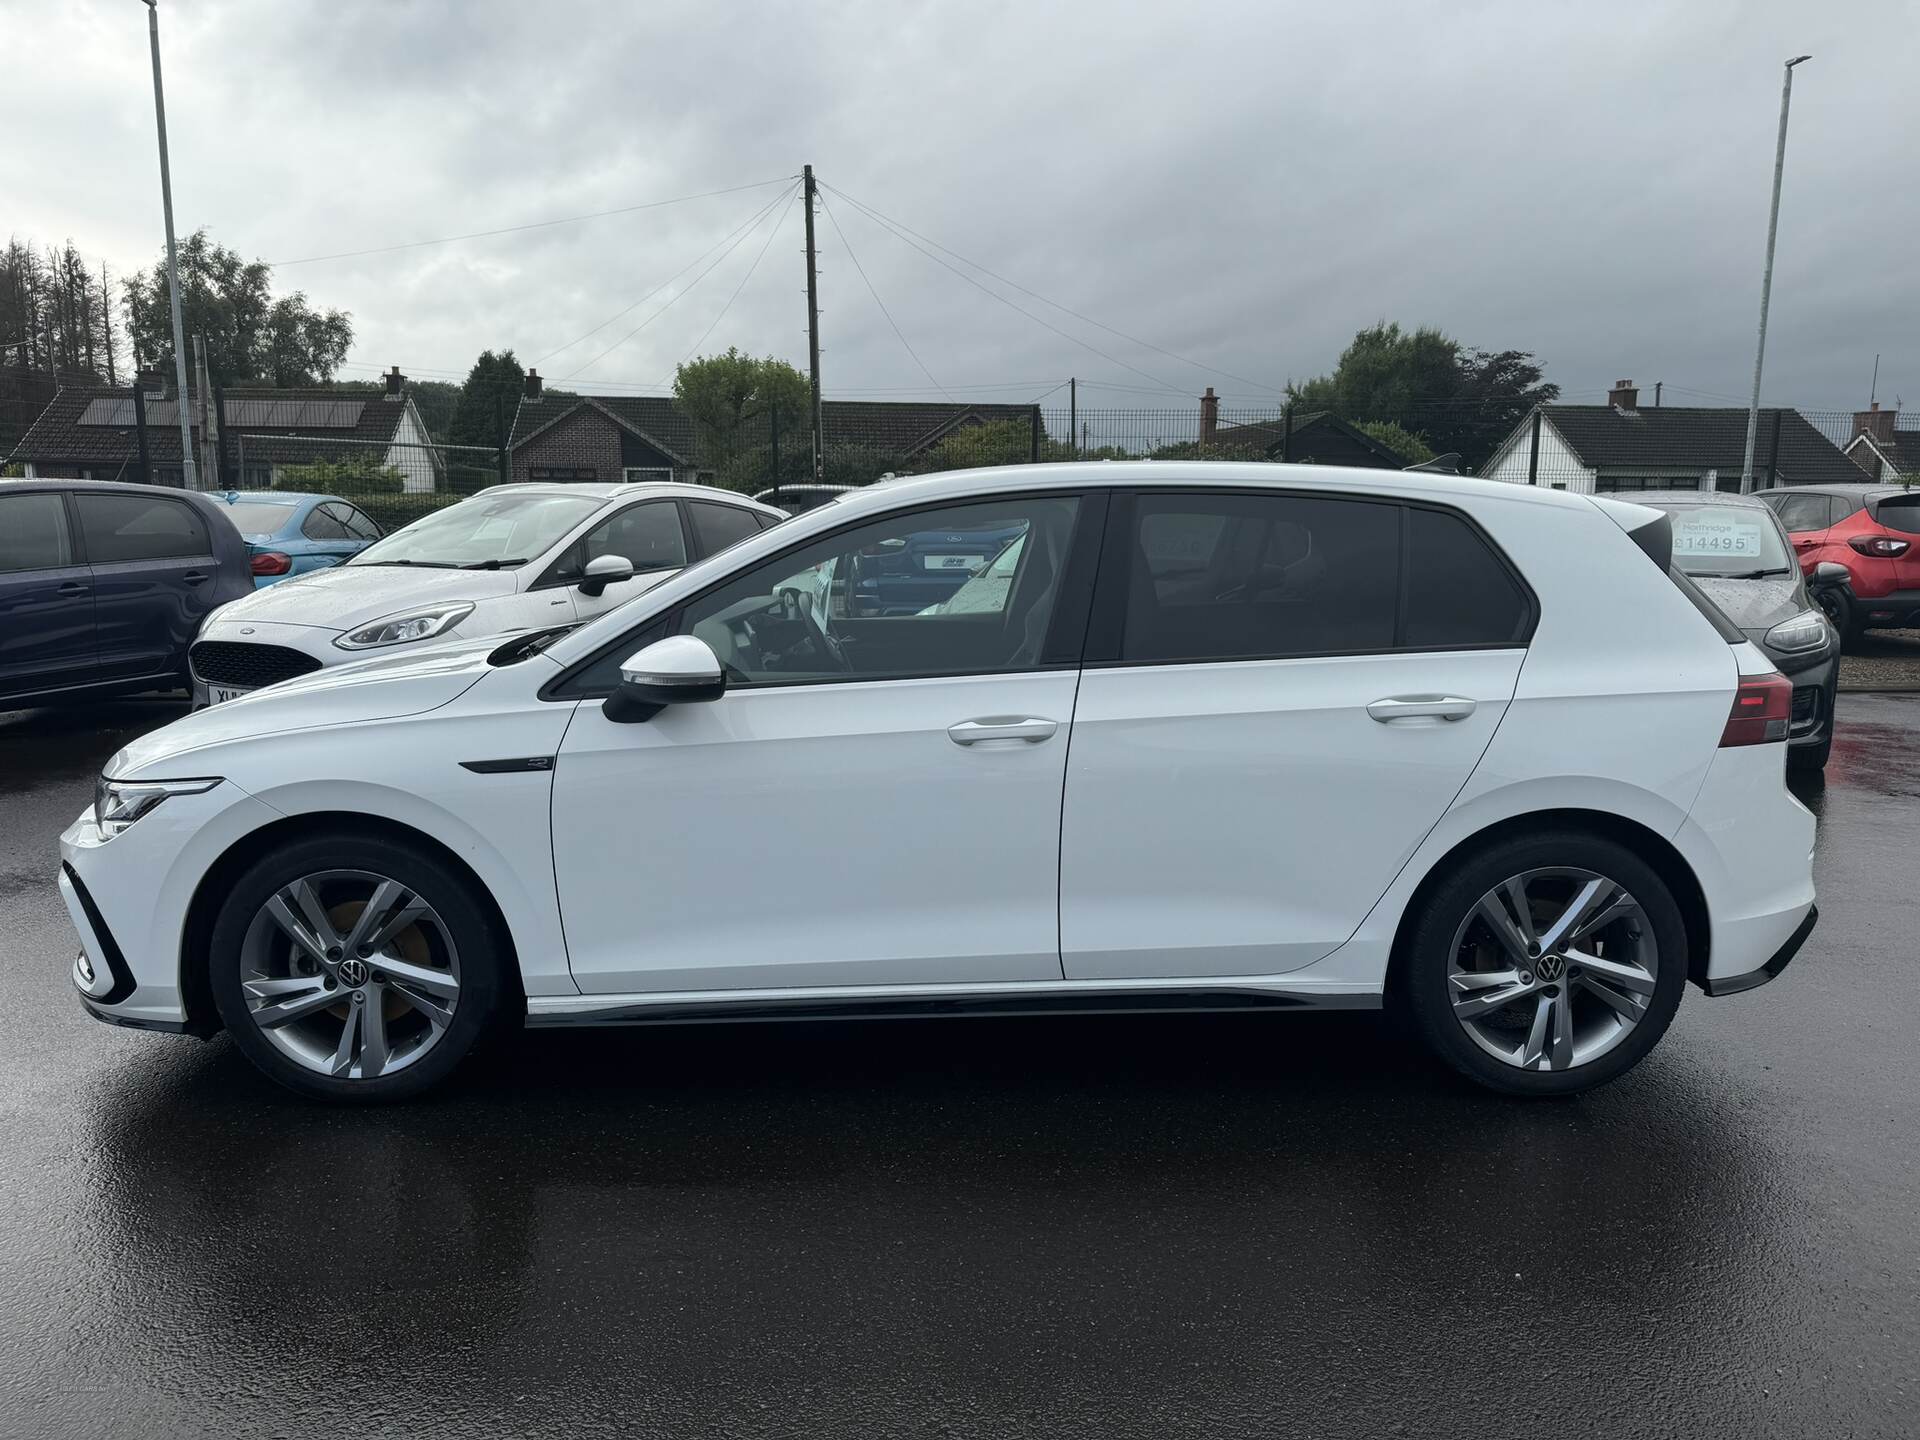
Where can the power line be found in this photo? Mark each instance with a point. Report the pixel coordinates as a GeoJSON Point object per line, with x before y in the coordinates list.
{"type": "Point", "coordinates": [1044, 324]}
{"type": "Point", "coordinates": [1064, 309]}
{"type": "Point", "coordinates": [834, 221]}
{"type": "Point", "coordinates": [781, 219]}
{"type": "Point", "coordinates": [740, 229]}
{"type": "Point", "coordinates": [678, 295]}
{"type": "Point", "coordinates": [530, 225]}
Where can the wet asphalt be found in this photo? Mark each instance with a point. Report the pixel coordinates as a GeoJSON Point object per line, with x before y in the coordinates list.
{"type": "Point", "coordinates": [1200, 1226]}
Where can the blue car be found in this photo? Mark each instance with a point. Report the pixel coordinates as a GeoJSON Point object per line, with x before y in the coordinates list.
{"type": "Point", "coordinates": [291, 534]}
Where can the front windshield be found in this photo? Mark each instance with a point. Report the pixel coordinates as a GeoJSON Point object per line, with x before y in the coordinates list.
{"type": "Point", "coordinates": [1725, 540]}
{"type": "Point", "coordinates": [486, 530]}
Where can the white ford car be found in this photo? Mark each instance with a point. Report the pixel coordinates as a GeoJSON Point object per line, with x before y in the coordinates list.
{"type": "Point", "coordinates": [1228, 736]}
{"type": "Point", "coordinates": [513, 557]}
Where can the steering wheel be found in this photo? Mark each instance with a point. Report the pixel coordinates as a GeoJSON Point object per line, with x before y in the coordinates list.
{"type": "Point", "coordinates": [792, 607]}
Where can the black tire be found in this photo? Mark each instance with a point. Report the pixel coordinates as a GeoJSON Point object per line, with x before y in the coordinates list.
{"type": "Point", "coordinates": [1802, 759]}
{"type": "Point", "coordinates": [1840, 609]}
{"type": "Point", "coordinates": [485, 986]}
{"type": "Point", "coordinates": [1424, 991]}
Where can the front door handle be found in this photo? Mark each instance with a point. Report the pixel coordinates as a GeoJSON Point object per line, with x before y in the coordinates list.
{"type": "Point", "coordinates": [193, 577]}
{"type": "Point", "coordinates": [71, 587]}
{"type": "Point", "coordinates": [1421, 707]}
{"type": "Point", "coordinates": [1032, 729]}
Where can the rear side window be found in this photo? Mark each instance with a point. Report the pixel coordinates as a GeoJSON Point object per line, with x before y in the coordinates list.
{"type": "Point", "coordinates": [1900, 512]}
{"type": "Point", "coordinates": [359, 527]}
{"type": "Point", "coordinates": [1458, 591]}
{"type": "Point", "coordinates": [1800, 513]}
{"type": "Point", "coordinates": [138, 527]}
{"type": "Point", "coordinates": [1241, 577]}
{"type": "Point", "coordinates": [715, 527]}
{"type": "Point", "coordinates": [33, 533]}
{"type": "Point", "coordinates": [322, 524]}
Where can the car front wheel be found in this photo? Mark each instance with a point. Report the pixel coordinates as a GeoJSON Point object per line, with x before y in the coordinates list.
{"type": "Point", "coordinates": [1546, 964]}
{"type": "Point", "coordinates": [355, 968]}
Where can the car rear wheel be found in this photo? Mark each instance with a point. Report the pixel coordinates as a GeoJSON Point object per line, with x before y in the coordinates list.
{"type": "Point", "coordinates": [1838, 607]}
{"type": "Point", "coordinates": [1546, 964]}
{"type": "Point", "coordinates": [354, 968]}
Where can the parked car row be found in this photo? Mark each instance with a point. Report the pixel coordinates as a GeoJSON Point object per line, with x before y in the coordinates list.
{"type": "Point", "coordinates": [109, 589]}
{"type": "Point", "coordinates": [1207, 735]}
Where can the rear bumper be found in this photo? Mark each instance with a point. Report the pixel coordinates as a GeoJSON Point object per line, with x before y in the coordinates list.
{"type": "Point", "coordinates": [1753, 979]}
{"type": "Point", "coordinates": [1894, 610]}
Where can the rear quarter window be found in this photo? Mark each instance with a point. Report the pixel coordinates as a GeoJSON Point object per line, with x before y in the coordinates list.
{"type": "Point", "coordinates": [1458, 591]}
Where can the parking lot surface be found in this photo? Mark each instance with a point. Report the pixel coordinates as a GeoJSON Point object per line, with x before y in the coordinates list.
{"type": "Point", "coordinates": [1234, 1225]}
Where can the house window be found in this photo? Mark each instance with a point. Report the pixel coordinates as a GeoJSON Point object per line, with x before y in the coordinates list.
{"type": "Point", "coordinates": [564, 474]}
{"type": "Point", "coordinates": [646, 474]}
{"type": "Point", "coordinates": [1647, 482]}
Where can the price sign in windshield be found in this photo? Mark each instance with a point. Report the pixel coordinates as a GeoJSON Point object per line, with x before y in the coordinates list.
{"type": "Point", "coordinates": [1719, 534]}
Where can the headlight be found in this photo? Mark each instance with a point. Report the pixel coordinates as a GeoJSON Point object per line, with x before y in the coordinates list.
{"type": "Point", "coordinates": [399, 629]}
{"type": "Point", "coordinates": [1805, 631]}
{"type": "Point", "coordinates": [118, 803]}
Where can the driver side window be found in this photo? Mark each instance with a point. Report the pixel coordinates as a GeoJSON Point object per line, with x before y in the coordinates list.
{"type": "Point", "coordinates": [964, 589]}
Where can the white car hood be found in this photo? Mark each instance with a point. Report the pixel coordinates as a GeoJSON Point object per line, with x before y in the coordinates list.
{"type": "Point", "coordinates": [347, 596]}
{"type": "Point", "coordinates": [384, 687]}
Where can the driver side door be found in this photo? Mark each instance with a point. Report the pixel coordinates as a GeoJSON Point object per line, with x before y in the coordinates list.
{"type": "Point", "coordinates": [861, 807]}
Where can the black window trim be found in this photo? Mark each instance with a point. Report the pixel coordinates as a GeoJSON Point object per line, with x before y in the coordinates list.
{"type": "Point", "coordinates": [1104, 638]}
{"type": "Point", "coordinates": [1090, 528]}
{"type": "Point", "coordinates": [552, 581]}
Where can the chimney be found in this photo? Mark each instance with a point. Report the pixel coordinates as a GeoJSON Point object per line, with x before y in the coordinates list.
{"type": "Point", "coordinates": [533, 384]}
{"type": "Point", "coordinates": [1209, 418]}
{"type": "Point", "coordinates": [152, 383]}
{"type": "Point", "coordinates": [396, 383]}
{"type": "Point", "coordinates": [1875, 422]}
{"type": "Point", "coordinates": [1624, 396]}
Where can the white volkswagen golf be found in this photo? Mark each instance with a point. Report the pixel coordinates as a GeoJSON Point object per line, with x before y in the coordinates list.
{"type": "Point", "coordinates": [513, 557]}
{"type": "Point", "coordinates": [1212, 736]}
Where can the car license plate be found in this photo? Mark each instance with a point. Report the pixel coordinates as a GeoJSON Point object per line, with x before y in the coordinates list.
{"type": "Point", "coordinates": [952, 562]}
{"type": "Point", "coordinates": [220, 694]}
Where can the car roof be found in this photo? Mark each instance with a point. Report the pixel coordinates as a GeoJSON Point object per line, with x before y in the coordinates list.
{"type": "Point", "coordinates": [105, 487]}
{"type": "Point", "coordinates": [1694, 497]}
{"type": "Point", "coordinates": [610, 490]}
{"type": "Point", "coordinates": [1859, 494]}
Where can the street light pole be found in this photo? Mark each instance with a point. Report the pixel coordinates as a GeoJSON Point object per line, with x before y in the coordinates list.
{"type": "Point", "coordinates": [189, 471]}
{"type": "Point", "coordinates": [1766, 277]}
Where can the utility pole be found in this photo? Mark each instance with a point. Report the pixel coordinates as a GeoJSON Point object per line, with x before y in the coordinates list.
{"type": "Point", "coordinates": [1073, 412]}
{"type": "Point", "coordinates": [1766, 276]}
{"type": "Point", "coordinates": [189, 472]}
{"type": "Point", "coordinates": [813, 328]}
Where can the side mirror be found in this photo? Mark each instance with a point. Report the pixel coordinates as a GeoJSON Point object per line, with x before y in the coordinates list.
{"type": "Point", "coordinates": [1826, 574]}
{"type": "Point", "coordinates": [679, 670]}
{"type": "Point", "coordinates": [605, 570]}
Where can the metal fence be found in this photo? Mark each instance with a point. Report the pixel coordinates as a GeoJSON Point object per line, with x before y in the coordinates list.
{"type": "Point", "coordinates": [393, 482]}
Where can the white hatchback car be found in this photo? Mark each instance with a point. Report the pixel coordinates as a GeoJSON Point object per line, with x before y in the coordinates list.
{"type": "Point", "coordinates": [1228, 736]}
{"type": "Point", "coordinates": [513, 557]}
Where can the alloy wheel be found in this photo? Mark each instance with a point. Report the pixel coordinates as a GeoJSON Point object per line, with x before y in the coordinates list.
{"type": "Point", "coordinates": [350, 974]}
{"type": "Point", "coordinates": [1553, 968]}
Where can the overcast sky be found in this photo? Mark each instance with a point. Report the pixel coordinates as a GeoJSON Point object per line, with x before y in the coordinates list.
{"type": "Point", "coordinates": [1242, 184]}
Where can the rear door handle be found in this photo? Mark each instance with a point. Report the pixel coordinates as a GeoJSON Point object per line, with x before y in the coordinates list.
{"type": "Point", "coordinates": [1421, 707]}
{"type": "Point", "coordinates": [193, 577]}
{"type": "Point", "coordinates": [1032, 729]}
{"type": "Point", "coordinates": [71, 587]}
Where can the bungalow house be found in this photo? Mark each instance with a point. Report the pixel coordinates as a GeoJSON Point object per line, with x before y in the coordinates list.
{"type": "Point", "coordinates": [649, 437]}
{"type": "Point", "coordinates": [87, 432]}
{"type": "Point", "coordinates": [1623, 446]}
{"type": "Point", "coordinates": [1888, 454]}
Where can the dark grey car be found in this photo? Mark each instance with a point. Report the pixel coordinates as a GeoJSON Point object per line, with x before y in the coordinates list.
{"type": "Point", "coordinates": [1734, 549]}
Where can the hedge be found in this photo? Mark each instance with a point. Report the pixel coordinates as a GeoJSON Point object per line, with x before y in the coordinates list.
{"type": "Point", "coordinates": [390, 512]}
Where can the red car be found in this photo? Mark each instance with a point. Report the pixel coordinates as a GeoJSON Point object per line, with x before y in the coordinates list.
{"type": "Point", "coordinates": [1873, 532]}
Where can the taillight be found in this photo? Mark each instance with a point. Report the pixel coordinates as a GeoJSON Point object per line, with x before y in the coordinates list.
{"type": "Point", "coordinates": [1761, 709]}
{"type": "Point", "coordinates": [271, 562]}
{"type": "Point", "coordinates": [1884, 546]}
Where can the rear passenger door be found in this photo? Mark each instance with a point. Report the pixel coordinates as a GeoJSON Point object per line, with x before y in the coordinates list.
{"type": "Point", "coordinates": [1805, 518]}
{"type": "Point", "coordinates": [153, 571]}
{"type": "Point", "coordinates": [46, 598]}
{"type": "Point", "coordinates": [329, 542]}
{"type": "Point", "coordinates": [1282, 694]}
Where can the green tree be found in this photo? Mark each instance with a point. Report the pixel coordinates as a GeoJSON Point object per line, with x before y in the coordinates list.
{"type": "Point", "coordinates": [729, 397]}
{"type": "Point", "coordinates": [1397, 439]}
{"type": "Point", "coordinates": [996, 442]}
{"type": "Point", "coordinates": [1431, 386]}
{"type": "Point", "coordinates": [251, 337]}
{"type": "Point", "coordinates": [495, 377]}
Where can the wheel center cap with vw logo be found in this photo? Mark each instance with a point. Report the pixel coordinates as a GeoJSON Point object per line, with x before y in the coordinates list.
{"type": "Point", "coordinates": [354, 973]}
{"type": "Point", "coordinates": [1547, 967]}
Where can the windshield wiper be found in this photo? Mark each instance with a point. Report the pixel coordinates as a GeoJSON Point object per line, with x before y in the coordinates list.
{"type": "Point", "coordinates": [1742, 574]}
{"type": "Point", "coordinates": [429, 564]}
{"type": "Point", "coordinates": [493, 564]}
